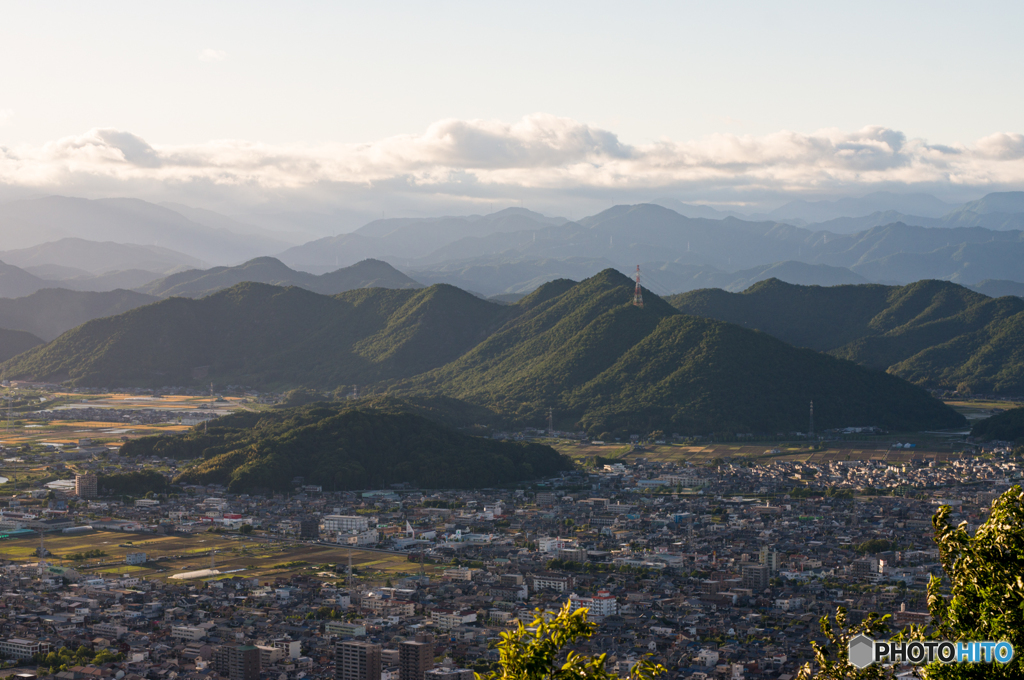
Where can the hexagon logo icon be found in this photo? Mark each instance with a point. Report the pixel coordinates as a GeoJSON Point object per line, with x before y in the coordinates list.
{"type": "Point", "coordinates": [861, 651]}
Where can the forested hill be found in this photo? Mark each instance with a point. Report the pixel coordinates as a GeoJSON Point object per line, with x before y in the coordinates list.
{"type": "Point", "coordinates": [601, 362]}
{"type": "Point", "coordinates": [581, 349]}
{"type": "Point", "coordinates": [934, 333]}
{"type": "Point", "coordinates": [341, 447]}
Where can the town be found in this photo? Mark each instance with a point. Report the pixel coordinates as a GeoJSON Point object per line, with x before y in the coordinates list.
{"type": "Point", "coordinates": [719, 569]}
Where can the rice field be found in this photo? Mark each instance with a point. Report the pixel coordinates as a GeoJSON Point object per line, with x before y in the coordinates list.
{"type": "Point", "coordinates": [253, 557]}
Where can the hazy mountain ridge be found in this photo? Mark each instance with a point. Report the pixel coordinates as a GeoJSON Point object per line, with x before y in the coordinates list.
{"type": "Point", "coordinates": [49, 312]}
{"type": "Point", "coordinates": [13, 343]}
{"type": "Point", "coordinates": [199, 283]}
{"type": "Point", "coordinates": [30, 222]}
{"type": "Point", "coordinates": [406, 239]}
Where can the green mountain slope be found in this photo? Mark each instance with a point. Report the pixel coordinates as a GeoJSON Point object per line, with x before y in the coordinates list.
{"type": "Point", "coordinates": [933, 333]}
{"type": "Point", "coordinates": [602, 363]}
{"type": "Point", "coordinates": [50, 312]}
{"type": "Point", "coordinates": [257, 334]}
{"type": "Point", "coordinates": [202, 282]}
{"type": "Point", "coordinates": [579, 348]}
{"type": "Point", "coordinates": [1006, 426]}
{"type": "Point", "coordinates": [13, 343]}
{"type": "Point", "coordinates": [341, 447]}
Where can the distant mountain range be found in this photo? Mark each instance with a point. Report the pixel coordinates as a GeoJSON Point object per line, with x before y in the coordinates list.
{"type": "Point", "coordinates": [933, 333]}
{"type": "Point", "coordinates": [201, 282]}
{"type": "Point", "coordinates": [894, 239]}
{"type": "Point", "coordinates": [27, 223]}
{"type": "Point", "coordinates": [579, 348]}
{"type": "Point", "coordinates": [408, 239]}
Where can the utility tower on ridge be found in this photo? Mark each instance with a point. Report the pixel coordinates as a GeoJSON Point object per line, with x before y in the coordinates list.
{"type": "Point", "coordinates": [811, 432]}
{"type": "Point", "coordinates": [638, 298]}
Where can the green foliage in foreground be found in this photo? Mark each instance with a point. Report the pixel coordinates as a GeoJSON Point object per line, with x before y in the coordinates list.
{"type": "Point", "coordinates": [984, 600]}
{"type": "Point", "coordinates": [831, 658]}
{"type": "Point", "coordinates": [1006, 426]}
{"type": "Point", "coordinates": [342, 447]}
{"type": "Point", "coordinates": [986, 575]}
{"type": "Point", "coordinates": [539, 652]}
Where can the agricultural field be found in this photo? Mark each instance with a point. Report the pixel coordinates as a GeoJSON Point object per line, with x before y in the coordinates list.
{"type": "Point", "coordinates": [938, 448]}
{"type": "Point", "coordinates": [979, 409]}
{"type": "Point", "coordinates": [252, 557]}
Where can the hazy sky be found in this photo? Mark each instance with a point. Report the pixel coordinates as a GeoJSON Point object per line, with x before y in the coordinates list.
{"type": "Point", "coordinates": [715, 101]}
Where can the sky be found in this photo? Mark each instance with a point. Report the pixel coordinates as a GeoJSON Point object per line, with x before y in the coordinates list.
{"type": "Point", "coordinates": [456, 106]}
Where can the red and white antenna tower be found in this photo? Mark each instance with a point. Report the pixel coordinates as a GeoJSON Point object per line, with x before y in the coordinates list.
{"type": "Point", "coordinates": [638, 298]}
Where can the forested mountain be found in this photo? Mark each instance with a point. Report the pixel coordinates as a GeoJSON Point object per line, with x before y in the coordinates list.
{"type": "Point", "coordinates": [580, 348]}
{"type": "Point", "coordinates": [258, 334]}
{"type": "Point", "coordinates": [933, 333]}
{"type": "Point", "coordinates": [344, 447]}
{"type": "Point", "coordinates": [51, 311]}
{"type": "Point", "coordinates": [13, 343]}
{"type": "Point", "coordinates": [1006, 426]}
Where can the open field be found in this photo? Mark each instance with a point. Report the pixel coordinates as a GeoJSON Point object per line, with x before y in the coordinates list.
{"type": "Point", "coordinates": [252, 557]}
{"type": "Point", "coordinates": [22, 428]}
{"type": "Point", "coordinates": [925, 447]}
{"type": "Point", "coordinates": [979, 409]}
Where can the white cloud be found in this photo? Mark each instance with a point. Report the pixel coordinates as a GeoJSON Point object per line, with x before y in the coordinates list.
{"type": "Point", "coordinates": [212, 55]}
{"type": "Point", "coordinates": [467, 159]}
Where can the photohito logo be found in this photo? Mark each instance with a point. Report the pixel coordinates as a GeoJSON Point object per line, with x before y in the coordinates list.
{"type": "Point", "coordinates": [864, 651]}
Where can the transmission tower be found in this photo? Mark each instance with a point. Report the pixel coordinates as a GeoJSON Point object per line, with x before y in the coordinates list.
{"type": "Point", "coordinates": [551, 425]}
{"type": "Point", "coordinates": [638, 298]}
{"type": "Point", "coordinates": [811, 432]}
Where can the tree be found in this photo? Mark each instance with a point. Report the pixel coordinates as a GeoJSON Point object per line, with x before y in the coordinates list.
{"type": "Point", "coordinates": [985, 599]}
{"type": "Point", "coordinates": [538, 652]}
{"type": "Point", "coordinates": [986, 595]}
{"type": "Point", "coordinates": [831, 659]}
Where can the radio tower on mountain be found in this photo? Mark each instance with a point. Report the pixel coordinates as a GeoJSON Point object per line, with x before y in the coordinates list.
{"type": "Point", "coordinates": [638, 298]}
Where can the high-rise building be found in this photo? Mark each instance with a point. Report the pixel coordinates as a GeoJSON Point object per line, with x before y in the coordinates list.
{"type": "Point", "coordinates": [354, 660]}
{"type": "Point", "coordinates": [415, 658]}
{"type": "Point", "coordinates": [237, 662]}
{"type": "Point", "coordinates": [309, 528]}
{"type": "Point", "coordinates": [755, 577]}
{"type": "Point", "coordinates": [771, 559]}
{"type": "Point", "coordinates": [85, 486]}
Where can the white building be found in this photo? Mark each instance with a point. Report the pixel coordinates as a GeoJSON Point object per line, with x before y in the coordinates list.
{"type": "Point", "coordinates": [345, 523]}
{"type": "Point", "coordinates": [187, 633]}
{"type": "Point", "coordinates": [707, 657]}
{"type": "Point", "coordinates": [17, 648]}
{"type": "Point", "coordinates": [446, 619]}
{"type": "Point", "coordinates": [367, 537]}
{"type": "Point", "coordinates": [135, 558]}
{"type": "Point", "coordinates": [601, 605]}
{"type": "Point", "coordinates": [553, 545]}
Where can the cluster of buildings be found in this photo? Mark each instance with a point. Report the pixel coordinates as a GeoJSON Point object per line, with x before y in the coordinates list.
{"type": "Point", "coordinates": [714, 571]}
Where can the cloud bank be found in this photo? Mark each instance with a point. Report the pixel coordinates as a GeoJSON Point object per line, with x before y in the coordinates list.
{"type": "Point", "coordinates": [542, 155]}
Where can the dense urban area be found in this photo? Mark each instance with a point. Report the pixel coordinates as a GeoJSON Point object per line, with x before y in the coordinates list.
{"type": "Point", "coordinates": [717, 569]}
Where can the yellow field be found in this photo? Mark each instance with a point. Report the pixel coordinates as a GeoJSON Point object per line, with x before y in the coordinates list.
{"type": "Point", "coordinates": [250, 557]}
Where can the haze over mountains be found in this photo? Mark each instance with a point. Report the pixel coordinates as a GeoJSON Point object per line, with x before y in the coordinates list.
{"type": "Point", "coordinates": [882, 237]}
